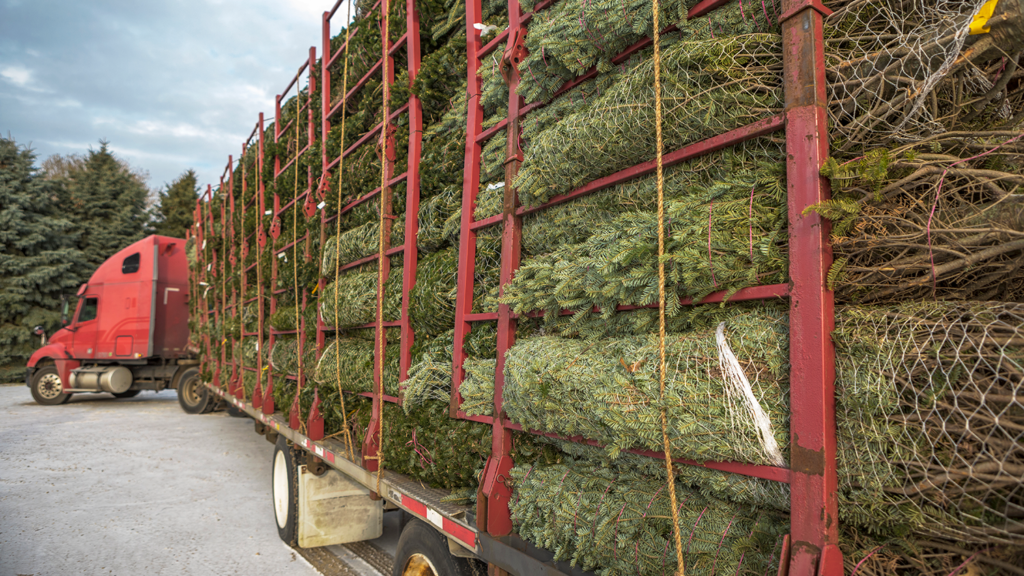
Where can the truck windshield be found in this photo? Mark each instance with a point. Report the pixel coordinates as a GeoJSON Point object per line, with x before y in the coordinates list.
{"type": "Point", "coordinates": [89, 308]}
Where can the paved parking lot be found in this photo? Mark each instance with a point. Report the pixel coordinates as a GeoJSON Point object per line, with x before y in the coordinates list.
{"type": "Point", "coordinates": [135, 486]}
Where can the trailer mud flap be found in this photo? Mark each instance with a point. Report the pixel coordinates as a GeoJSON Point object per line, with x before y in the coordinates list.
{"type": "Point", "coordinates": [334, 509]}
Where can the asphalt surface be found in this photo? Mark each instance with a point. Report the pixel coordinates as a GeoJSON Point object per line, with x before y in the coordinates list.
{"type": "Point", "coordinates": [135, 486]}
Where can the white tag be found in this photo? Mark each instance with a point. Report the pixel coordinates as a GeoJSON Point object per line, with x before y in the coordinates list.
{"type": "Point", "coordinates": [495, 186]}
{"type": "Point", "coordinates": [281, 255]}
{"type": "Point", "coordinates": [269, 212]}
{"type": "Point", "coordinates": [204, 245]}
{"type": "Point", "coordinates": [208, 267]}
{"type": "Point", "coordinates": [321, 205]}
{"type": "Point", "coordinates": [435, 518]}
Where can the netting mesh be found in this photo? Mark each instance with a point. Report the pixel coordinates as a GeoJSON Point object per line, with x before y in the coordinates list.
{"type": "Point", "coordinates": [930, 407]}
{"type": "Point", "coordinates": [930, 410]}
{"type": "Point", "coordinates": [901, 71]}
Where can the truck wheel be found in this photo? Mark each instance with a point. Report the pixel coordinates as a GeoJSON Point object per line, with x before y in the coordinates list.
{"type": "Point", "coordinates": [46, 387]}
{"type": "Point", "coordinates": [192, 395]}
{"type": "Point", "coordinates": [126, 394]}
{"type": "Point", "coordinates": [423, 551]}
{"type": "Point", "coordinates": [284, 491]}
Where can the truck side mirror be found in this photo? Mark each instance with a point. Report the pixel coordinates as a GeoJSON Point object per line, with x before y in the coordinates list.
{"type": "Point", "coordinates": [41, 332]}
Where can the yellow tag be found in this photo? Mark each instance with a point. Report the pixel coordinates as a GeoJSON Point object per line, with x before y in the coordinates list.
{"type": "Point", "coordinates": [980, 23]}
{"type": "Point", "coordinates": [265, 368]}
{"type": "Point", "coordinates": [224, 342]}
{"type": "Point", "coordinates": [315, 288]}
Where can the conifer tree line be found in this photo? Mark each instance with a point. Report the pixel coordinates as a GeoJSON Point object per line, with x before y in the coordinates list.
{"type": "Point", "coordinates": [59, 220]}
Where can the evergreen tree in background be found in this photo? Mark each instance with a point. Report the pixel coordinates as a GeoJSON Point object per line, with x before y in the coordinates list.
{"type": "Point", "coordinates": [173, 215]}
{"type": "Point", "coordinates": [38, 256]}
{"type": "Point", "coordinates": [108, 201]}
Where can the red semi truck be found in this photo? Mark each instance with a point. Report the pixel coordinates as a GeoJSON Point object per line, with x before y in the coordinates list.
{"type": "Point", "coordinates": [129, 331]}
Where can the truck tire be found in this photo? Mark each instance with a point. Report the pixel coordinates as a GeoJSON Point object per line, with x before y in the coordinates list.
{"type": "Point", "coordinates": [192, 395]}
{"type": "Point", "coordinates": [46, 387]}
{"type": "Point", "coordinates": [284, 491]}
{"type": "Point", "coordinates": [126, 394]}
{"type": "Point", "coordinates": [423, 551]}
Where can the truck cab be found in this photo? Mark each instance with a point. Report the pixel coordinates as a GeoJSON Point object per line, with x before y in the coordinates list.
{"type": "Point", "coordinates": [129, 331]}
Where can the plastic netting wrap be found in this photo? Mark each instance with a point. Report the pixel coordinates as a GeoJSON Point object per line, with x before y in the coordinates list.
{"type": "Point", "coordinates": [726, 230]}
{"type": "Point", "coordinates": [619, 520]}
{"type": "Point", "coordinates": [929, 415]}
{"type": "Point", "coordinates": [355, 244]}
{"type": "Point", "coordinates": [606, 390]}
{"type": "Point", "coordinates": [355, 303]}
{"type": "Point", "coordinates": [430, 377]}
{"type": "Point", "coordinates": [709, 87]}
{"type": "Point", "coordinates": [284, 356]}
{"type": "Point", "coordinates": [902, 72]}
{"type": "Point", "coordinates": [347, 362]}
{"type": "Point", "coordinates": [477, 390]}
{"type": "Point", "coordinates": [930, 411]}
{"type": "Point", "coordinates": [571, 36]}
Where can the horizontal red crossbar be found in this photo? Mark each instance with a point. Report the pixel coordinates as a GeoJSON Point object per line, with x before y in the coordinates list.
{"type": "Point", "coordinates": [490, 46]}
{"type": "Point", "coordinates": [362, 82]}
{"type": "Point", "coordinates": [294, 78]}
{"type": "Point", "coordinates": [481, 317]}
{"type": "Point", "coordinates": [398, 44]}
{"type": "Point", "coordinates": [371, 258]}
{"type": "Point", "coordinates": [291, 202]}
{"type": "Point", "coordinates": [289, 245]}
{"type": "Point", "coordinates": [704, 7]}
{"type": "Point", "coordinates": [713, 144]}
{"type": "Point", "coordinates": [283, 332]}
{"type": "Point", "coordinates": [363, 326]}
{"type": "Point", "coordinates": [476, 418]}
{"type": "Point", "coordinates": [341, 49]}
{"type": "Point", "coordinates": [366, 137]}
{"type": "Point", "coordinates": [385, 397]}
{"type": "Point", "coordinates": [766, 292]}
{"type": "Point", "coordinates": [294, 158]}
{"type": "Point", "coordinates": [755, 470]}
{"type": "Point", "coordinates": [396, 180]}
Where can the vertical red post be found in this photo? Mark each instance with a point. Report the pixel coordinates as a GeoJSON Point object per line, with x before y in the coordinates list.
{"type": "Point", "coordinates": [814, 520]}
{"type": "Point", "coordinates": [371, 449]}
{"type": "Point", "coordinates": [412, 186]}
{"type": "Point", "coordinates": [470, 189]}
{"type": "Point", "coordinates": [494, 488]}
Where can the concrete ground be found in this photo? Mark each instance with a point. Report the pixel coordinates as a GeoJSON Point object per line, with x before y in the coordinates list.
{"type": "Point", "coordinates": [135, 486]}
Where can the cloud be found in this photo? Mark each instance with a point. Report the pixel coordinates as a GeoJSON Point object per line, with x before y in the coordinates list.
{"type": "Point", "coordinates": [171, 85]}
{"type": "Point", "coordinates": [17, 75]}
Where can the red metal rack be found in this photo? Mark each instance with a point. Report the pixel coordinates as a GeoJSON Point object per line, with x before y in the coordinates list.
{"type": "Point", "coordinates": [812, 545]}
{"type": "Point", "coordinates": [812, 472]}
{"type": "Point", "coordinates": [410, 40]}
{"type": "Point", "coordinates": [302, 196]}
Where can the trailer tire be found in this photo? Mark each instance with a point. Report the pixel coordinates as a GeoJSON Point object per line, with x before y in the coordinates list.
{"type": "Point", "coordinates": [422, 550]}
{"type": "Point", "coordinates": [126, 394]}
{"type": "Point", "coordinates": [45, 385]}
{"type": "Point", "coordinates": [284, 491]}
{"type": "Point", "coordinates": [193, 397]}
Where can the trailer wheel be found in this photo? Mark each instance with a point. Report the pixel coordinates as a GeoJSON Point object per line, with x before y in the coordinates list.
{"type": "Point", "coordinates": [192, 395]}
{"type": "Point", "coordinates": [423, 551]}
{"type": "Point", "coordinates": [284, 491]}
{"type": "Point", "coordinates": [46, 387]}
{"type": "Point", "coordinates": [126, 394]}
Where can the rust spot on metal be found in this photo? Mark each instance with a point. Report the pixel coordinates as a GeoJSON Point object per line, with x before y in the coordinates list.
{"type": "Point", "coordinates": [807, 461]}
{"type": "Point", "coordinates": [801, 546]}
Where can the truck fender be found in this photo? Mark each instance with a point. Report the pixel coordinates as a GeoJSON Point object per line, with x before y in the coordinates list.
{"type": "Point", "coordinates": [58, 354]}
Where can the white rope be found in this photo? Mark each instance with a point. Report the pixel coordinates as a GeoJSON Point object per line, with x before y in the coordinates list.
{"type": "Point", "coordinates": [739, 391]}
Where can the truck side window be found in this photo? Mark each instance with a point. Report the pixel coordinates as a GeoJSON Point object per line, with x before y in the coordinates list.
{"type": "Point", "coordinates": [89, 308]}
{"type": "Point", "coordinates": [131, 264]}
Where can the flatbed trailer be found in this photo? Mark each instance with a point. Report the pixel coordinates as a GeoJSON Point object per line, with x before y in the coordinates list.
{"type": "Point", "coordinates": [486, 532]}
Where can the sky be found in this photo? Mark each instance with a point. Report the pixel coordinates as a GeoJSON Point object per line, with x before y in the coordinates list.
{"type": "Point", "coordinates": [170, 84]}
